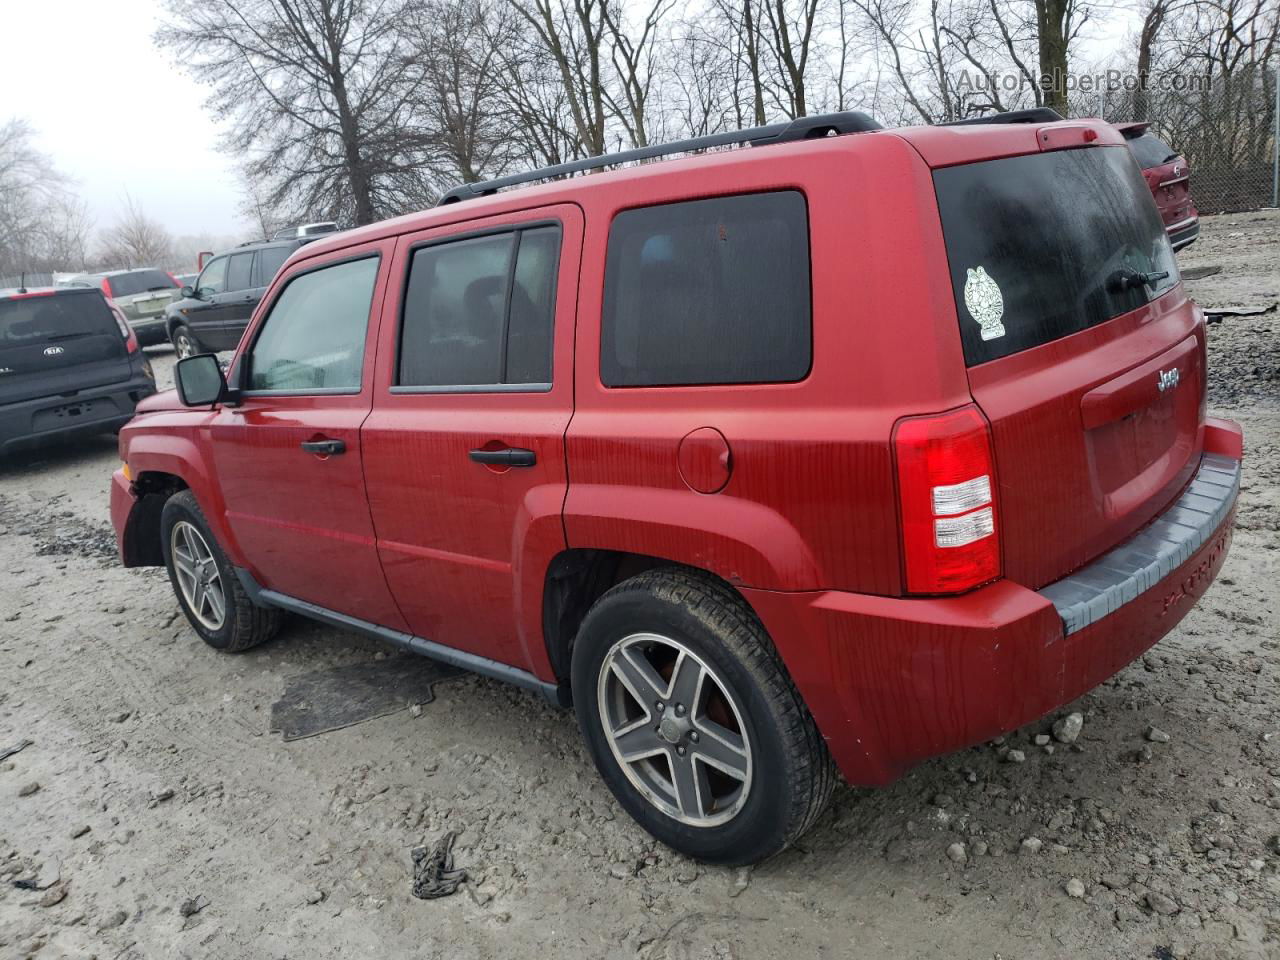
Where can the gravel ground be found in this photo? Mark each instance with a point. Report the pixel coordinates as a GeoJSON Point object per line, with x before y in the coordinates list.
{"type": "Point", "coordinates": [154, 816]}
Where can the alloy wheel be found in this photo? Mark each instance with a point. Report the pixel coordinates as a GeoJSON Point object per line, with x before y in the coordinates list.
{"type": "Point", "coordinates": [198, 576]}
{"type": "Point", "coordinates": [676, 729]}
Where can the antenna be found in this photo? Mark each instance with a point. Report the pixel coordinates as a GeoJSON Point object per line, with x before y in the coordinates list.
{"type": "Point", "coordinates": [22, 282]}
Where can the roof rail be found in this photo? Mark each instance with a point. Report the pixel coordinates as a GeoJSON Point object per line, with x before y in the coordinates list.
{"type": "Point", "coordinates": [1034, 115]}
{"type": "Point", "coordinates": [802, 128]}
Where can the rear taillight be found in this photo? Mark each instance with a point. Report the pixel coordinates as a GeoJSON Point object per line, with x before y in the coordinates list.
{"type": "Point", "coordinates": [126, 331]}
{"type": "Point", "coordinates": [174, 279]}
{"type": "Point", "coordinates": [106, 287]}
{"type": "Point", "coordinates": [946, 484]}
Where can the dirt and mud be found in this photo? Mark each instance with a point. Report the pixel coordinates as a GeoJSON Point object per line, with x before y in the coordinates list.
{"type": "Point", "coordinates": [153, 814]}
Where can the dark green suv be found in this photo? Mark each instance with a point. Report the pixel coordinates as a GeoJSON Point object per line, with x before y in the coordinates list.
{"type": "Point", "coordinates": [213, 313]}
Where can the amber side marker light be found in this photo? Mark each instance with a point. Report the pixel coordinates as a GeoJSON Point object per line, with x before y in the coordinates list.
{"type": "Point", "coordinates": [946, 483]}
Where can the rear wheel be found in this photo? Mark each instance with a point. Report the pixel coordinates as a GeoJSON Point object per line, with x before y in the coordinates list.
{"type": "Point", "coordinates": [207, 588]}
{"type": "Point", "coordinates": [185, 343]}
{"type": "Point", "coordinates": [693, 722]}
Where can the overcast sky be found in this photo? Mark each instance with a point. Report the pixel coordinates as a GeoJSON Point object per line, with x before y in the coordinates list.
{"type": "Point", "coordinates": [114, 113]}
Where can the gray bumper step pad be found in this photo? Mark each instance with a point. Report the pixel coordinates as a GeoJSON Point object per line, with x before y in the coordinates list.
{"type": "Point", "coordinates": [1137, 565]}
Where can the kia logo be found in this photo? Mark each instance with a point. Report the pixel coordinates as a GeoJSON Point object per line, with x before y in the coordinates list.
{"type": "Point", "coordinates": [53, 351]}
{"type": "Point", "coordinates": [1168, 379]}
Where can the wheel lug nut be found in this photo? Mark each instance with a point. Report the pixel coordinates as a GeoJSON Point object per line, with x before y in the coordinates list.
{"type": "Point", "coordinates": [680, 750]}
{"type": "Point", "coordinates": [660, 706]}
{"type": "Point", "coordinates": [694, 736]}
{"type": "Point", "coordinates": [680, 709]}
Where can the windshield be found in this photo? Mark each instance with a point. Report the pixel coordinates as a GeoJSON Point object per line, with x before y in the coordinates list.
{"type": "Point", "coordinates": [50, 318]}
{"type": "Point", "coordinates": [140, 281]}
{"type": "Point", "coordinates": [1046, 245]}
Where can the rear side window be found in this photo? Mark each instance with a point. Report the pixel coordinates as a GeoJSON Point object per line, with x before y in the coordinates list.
{"type": "Point", "coordinates": [270, 260]}
{"type": "Point", "coordinates": [1150, 151]}
{"type": "Point", "coordinates": [481, 311]}
{"type": "Point", "coordinates": [239, 272]}
{"type": "Point", "coordinates": [48, 319]}
{"type": "Point", "coordinates": [139, 281]}
{"type": "Point", "coordinates": [1047, 245]}
{"type": "Point", "coordinates": [707, 292]}
{"type": "Point", "coordinates": [313, 338]}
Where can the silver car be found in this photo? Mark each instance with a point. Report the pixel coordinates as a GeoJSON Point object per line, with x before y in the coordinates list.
{"type": "Point", "coordinates": [142, 295]}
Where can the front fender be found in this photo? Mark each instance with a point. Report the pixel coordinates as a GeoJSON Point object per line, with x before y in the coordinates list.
{"type": "Point", "coordinates": [182, 455]}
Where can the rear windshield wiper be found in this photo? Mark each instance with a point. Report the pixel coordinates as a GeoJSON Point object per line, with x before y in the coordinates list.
{"type": "Point", "coordinates": [161, 287]}
{"type": "Point", "coordinates": [1123, 280]}
{"type": "Point", "coordinates": [1172, 156]}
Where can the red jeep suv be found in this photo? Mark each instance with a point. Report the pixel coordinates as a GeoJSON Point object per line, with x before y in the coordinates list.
{"type": "Point", "coordinates": [836, 450]}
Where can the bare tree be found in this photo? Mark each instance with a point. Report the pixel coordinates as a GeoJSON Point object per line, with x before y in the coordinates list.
{"type": "Point", "coordinates": [43, 225]}
{"type": "Point", "coordinates": [136, 240]}
{"type": "Point", "coordinates": [318, 93]}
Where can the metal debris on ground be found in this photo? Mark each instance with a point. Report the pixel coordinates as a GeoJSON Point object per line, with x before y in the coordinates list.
{"type": "Point", "coordinates": [21, 745]}
{"type": "Point", "coordinates": [433, 871]}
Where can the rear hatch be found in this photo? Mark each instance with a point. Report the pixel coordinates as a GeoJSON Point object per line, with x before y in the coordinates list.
{"type": "Point", "coordinates": [57, 343]}
{"type": "Point", "coordinates": [146, 292]}
{"type": "Point", "coordinates": [1082, 349]}
{"type": "Point", "coordinates": [1165, 171]}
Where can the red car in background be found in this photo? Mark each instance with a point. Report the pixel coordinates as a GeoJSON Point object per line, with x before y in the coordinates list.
{"type": "Point", "coordinates": [1169, 177]}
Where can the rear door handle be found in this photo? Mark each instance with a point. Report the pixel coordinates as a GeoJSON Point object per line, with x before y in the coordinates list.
{"type": "Point", "coordinates": [506, 457]}
{"type": "Point", "coordinates": [324, 447]}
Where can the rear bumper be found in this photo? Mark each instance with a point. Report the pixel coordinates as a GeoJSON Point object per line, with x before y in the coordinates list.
{"type": "Point", "coordinates": [97, 410]}
{"type": "Point", "coordinates": [150, 330]}
{"type": "Point", "coordinates": [1184, 232]}
{"type": "Point", "coordinates": [892, 682]}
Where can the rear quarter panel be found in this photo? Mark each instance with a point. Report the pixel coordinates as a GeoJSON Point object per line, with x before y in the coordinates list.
{"type": "Point", "coordinates": [810, 501]}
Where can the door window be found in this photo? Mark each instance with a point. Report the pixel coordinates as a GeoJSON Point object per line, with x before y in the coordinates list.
{"type": "Point", "coordinates": [270, 260]}
{"type": "Point", "coordinates": [313, 339]}
{"type": "Point", "coordinates": [238, 273]}
{"type": "Point", "coordinates": [213, 278]}
{"type": "Point", "coordinates": [481, 311]}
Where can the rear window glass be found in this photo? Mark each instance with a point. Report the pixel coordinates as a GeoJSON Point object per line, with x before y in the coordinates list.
{"type": "Point", "coordinates": [139, 281]}
{"type": "Point", "coordinates": [707, 292]}
{"type": "Point", "coordinates": [1150, 151]}
{"type": "Point", "coordinates": [58, 317]}
{"type": "Point", "coordinates": [1046, 245]}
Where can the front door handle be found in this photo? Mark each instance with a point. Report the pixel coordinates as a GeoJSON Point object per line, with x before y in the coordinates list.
{"type": "Point", "coordinates": [325, 448]}
{"type": "Point", "coordinates": [506, 457]}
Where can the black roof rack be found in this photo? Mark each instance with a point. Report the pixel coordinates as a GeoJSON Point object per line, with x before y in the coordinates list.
{"type": "Point", "coordinates": [1034, 115]}
{"type": "Point", "coordinates": [802, 128]}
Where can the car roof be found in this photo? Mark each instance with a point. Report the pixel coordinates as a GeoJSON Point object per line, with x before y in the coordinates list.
{"type": "Point", "coordinates": [938, 146]}
{"type": "Point", "coordinates": [252, 245]}
{"type": "Point", "coordinates": [18, 293]}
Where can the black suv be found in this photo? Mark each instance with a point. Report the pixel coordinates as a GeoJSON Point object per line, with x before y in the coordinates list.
{"type": "Point", "coordinates": [212, 315]}
{"type": "Point", "coordinates": [68, 364]}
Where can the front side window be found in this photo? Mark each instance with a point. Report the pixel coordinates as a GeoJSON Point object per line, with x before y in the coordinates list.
{"type": "Point", "coordinates": [213, 278]}
{"type": "Point", "coordinates": [313, 338]}
{"type": "Point", "coordinates": [708, 292]}
{"type": "Point", "coordinates": [481, 311]}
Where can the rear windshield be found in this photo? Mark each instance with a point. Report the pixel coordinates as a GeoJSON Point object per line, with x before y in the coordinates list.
{"type": "Point", "coordinates": [139, 281]}
{"type": "Point", "coordinates": [1150, 151]}
{"type": "Point", "coordinates": [1046, 245]}
{"type": "Point", "coordinates": [62, 316]}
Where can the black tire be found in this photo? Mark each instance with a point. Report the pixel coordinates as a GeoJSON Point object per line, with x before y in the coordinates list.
{"type": "Point", "coordinates": [184, 340]}
{"type": "Point", "coordinates": [244, 623]}
{"type": "Point", "coordinates": [792, 773]}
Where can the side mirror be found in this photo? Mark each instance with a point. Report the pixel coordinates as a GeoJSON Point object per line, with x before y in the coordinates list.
{"type": "Point", "coordinates": [187, 292]}
{"type": "Point", "coordinates": [200, 380]}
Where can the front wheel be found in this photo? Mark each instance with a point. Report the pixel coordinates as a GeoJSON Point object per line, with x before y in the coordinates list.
{"type": "Point", "coordinates": [693, 722]}
{"type": "Point", "coordinates": [210, 594]}
{"type": "Point", "coordinates": [185, 343]}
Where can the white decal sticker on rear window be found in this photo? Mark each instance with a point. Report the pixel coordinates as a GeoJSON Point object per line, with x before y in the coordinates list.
{"type": "Point", "coordinates": [986, 305]}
